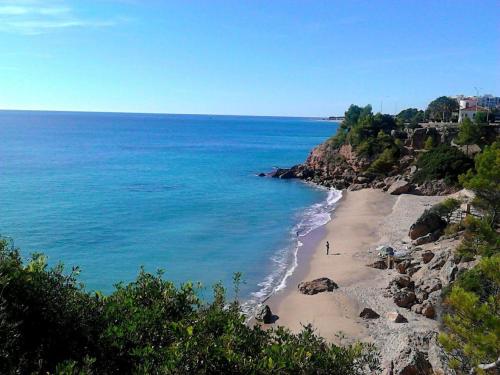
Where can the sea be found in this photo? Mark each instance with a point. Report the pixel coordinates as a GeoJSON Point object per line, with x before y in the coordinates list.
{"type": "Point", "coordinates": [114, 192]}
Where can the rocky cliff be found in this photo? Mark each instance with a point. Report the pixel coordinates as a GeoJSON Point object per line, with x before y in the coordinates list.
{"type": "Point", "coordinates": [343, 168]}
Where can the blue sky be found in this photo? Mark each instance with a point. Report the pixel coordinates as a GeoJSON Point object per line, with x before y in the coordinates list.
{"type": "Point", "coordinates": [296, 58]}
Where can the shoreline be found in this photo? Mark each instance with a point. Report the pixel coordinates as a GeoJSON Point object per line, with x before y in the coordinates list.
{"type": "Point", "coordinates": [353, 224]}
{"type": "Point", "coordinates": [360, 222]}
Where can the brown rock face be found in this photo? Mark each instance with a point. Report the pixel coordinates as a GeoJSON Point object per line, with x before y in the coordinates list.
{"type": "Point", "coordinates": [323, 284]}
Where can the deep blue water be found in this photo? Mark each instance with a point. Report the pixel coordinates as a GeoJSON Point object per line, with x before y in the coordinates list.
{"type": "Point", "coordinates": [111, 192]}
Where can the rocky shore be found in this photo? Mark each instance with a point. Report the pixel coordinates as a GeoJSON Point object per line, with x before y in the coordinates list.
{"type": "Point", "coordinates": [343, 168]}
{"type": "Point", "coordinates": [352, 291]}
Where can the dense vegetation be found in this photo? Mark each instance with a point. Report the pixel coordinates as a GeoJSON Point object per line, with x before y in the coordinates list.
{"type": "Point", "coordinates": [472, 334]}
{"type": "Point", "coordinates": [442, 162]}
{"type": "Point", "coordinates": [50, 324]}
{"type": "Point", "coordinates": [410, 117]}
{"type": "Point", "coordinates": [442, 109]}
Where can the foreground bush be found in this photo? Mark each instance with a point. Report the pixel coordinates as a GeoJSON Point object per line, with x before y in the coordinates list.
{"type": "Point", "coordinates": [50, 324]}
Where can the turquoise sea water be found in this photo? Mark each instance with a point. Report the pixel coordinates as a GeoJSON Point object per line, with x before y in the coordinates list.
{"type": "Point", "coordinates": [112, 192]}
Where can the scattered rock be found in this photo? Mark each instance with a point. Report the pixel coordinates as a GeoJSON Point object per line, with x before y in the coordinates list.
{"type": "Point", "coordinates": [438, 261]}
{"type": "Point", "coordinates": [379, 264]}
{"type": "Point", "coordinates": [402, 281]}
{"type": "Point", "coordinates": [404, 298]}
{"type": "Point", "coordinates": [368, 313]}
{"type": "Point", "coordinates": [421, 296]}
{"type": "Point", "coordinates": [427, 256]}
{"type": "Point", "coordinates": [430, 237]}
{"type": "Point", "coordinates": [430, 285]}
{"type": "Point", "coordinates": [399, 187]}
{"type": "Point", "coordinates": [428, 311]}
{"type": "Point", "coordinates": [264, 315]}
{"type": "Point", "coordinates": [323, 284]}
{"type": "Point", "coordinates": [403, 266]}
{"type": "Point", "coordinates": [396, 317]}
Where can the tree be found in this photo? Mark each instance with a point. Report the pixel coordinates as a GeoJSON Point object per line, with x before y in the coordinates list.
{"type": "Point", "coordinates": [485, 180]}
{"type": "Point", "coordinates": [473, 335]}
{"type": "Point", "coordinates": [468, 134]}
{"type": "Point", "coordinates": [442, 162]}
{"type": "Point", "coordinates": [442, 108]}
{"type": "Point", "coordinates": [410, 117]}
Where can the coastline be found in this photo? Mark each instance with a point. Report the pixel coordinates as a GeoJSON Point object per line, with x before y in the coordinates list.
{"type": "Point", "coordinates": [353, 227]}
{"type": "Point", "coordinates": [360, 222]}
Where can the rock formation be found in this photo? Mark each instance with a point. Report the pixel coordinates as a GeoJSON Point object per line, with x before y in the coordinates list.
{"type": "Point", "coordinates": [323, 284]}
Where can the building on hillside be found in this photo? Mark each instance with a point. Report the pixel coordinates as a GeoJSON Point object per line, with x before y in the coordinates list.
{"type": "Point", "coordinates": [467, 102]}
{"type": "Point", "coordinates": [470, 112]}
{"type": "Point", "coordinates": [489, 101]}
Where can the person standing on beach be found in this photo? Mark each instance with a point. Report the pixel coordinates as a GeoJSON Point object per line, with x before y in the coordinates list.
{"type": "Point", "coordinates": [327, 247]}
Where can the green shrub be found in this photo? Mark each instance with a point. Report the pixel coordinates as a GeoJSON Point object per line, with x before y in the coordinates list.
{"type": "Point", "coordinates": [384, 162]}
{"type": "Point", "coordinates": [443, 162]}
{"type": "Point", "coordinates": [453, 228]}
{"type": "Point", "coordinates": [429, 143]}
{"type": "Point", "coordinates": [49, 323]}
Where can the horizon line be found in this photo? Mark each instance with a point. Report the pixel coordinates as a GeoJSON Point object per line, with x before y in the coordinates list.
{"type": "Point", "coordinates": [156, 113]}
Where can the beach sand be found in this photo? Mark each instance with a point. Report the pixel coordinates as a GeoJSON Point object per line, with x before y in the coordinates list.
{"type": "Point", "coordinates": [363, 220]}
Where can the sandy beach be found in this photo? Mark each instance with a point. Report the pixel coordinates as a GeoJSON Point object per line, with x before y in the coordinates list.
{"type": "Point", "coordinates": [363, 220]}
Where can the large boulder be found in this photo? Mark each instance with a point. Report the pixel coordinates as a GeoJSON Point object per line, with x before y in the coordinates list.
{"type": "Point", "coordinates": [402, 281]}
{"type": "Point", "coordinates": [264, 315]}
{"type": "Point", "coordinates": [368, 313]}
{"type": "Point", "coordinates": [428, 222]}
{"type": "Point", "coordinates": [399, 187]}
{"type": "Point", "coordinates": [404, 298]}
{"type": "Point", "coordinates": [323, 284]}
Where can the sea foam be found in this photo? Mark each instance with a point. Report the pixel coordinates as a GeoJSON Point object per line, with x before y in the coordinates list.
{"type": "Point", "coordinates": [285, 261]}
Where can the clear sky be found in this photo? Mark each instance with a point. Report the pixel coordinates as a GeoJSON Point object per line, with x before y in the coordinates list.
{"type": "Point", "coordinates": [302, 58]}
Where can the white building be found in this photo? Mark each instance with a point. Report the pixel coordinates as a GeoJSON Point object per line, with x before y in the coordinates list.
{"type": "Point", "coordinates": [469, 112]}
{"type": "Point", "coordinates": [467, 102]}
